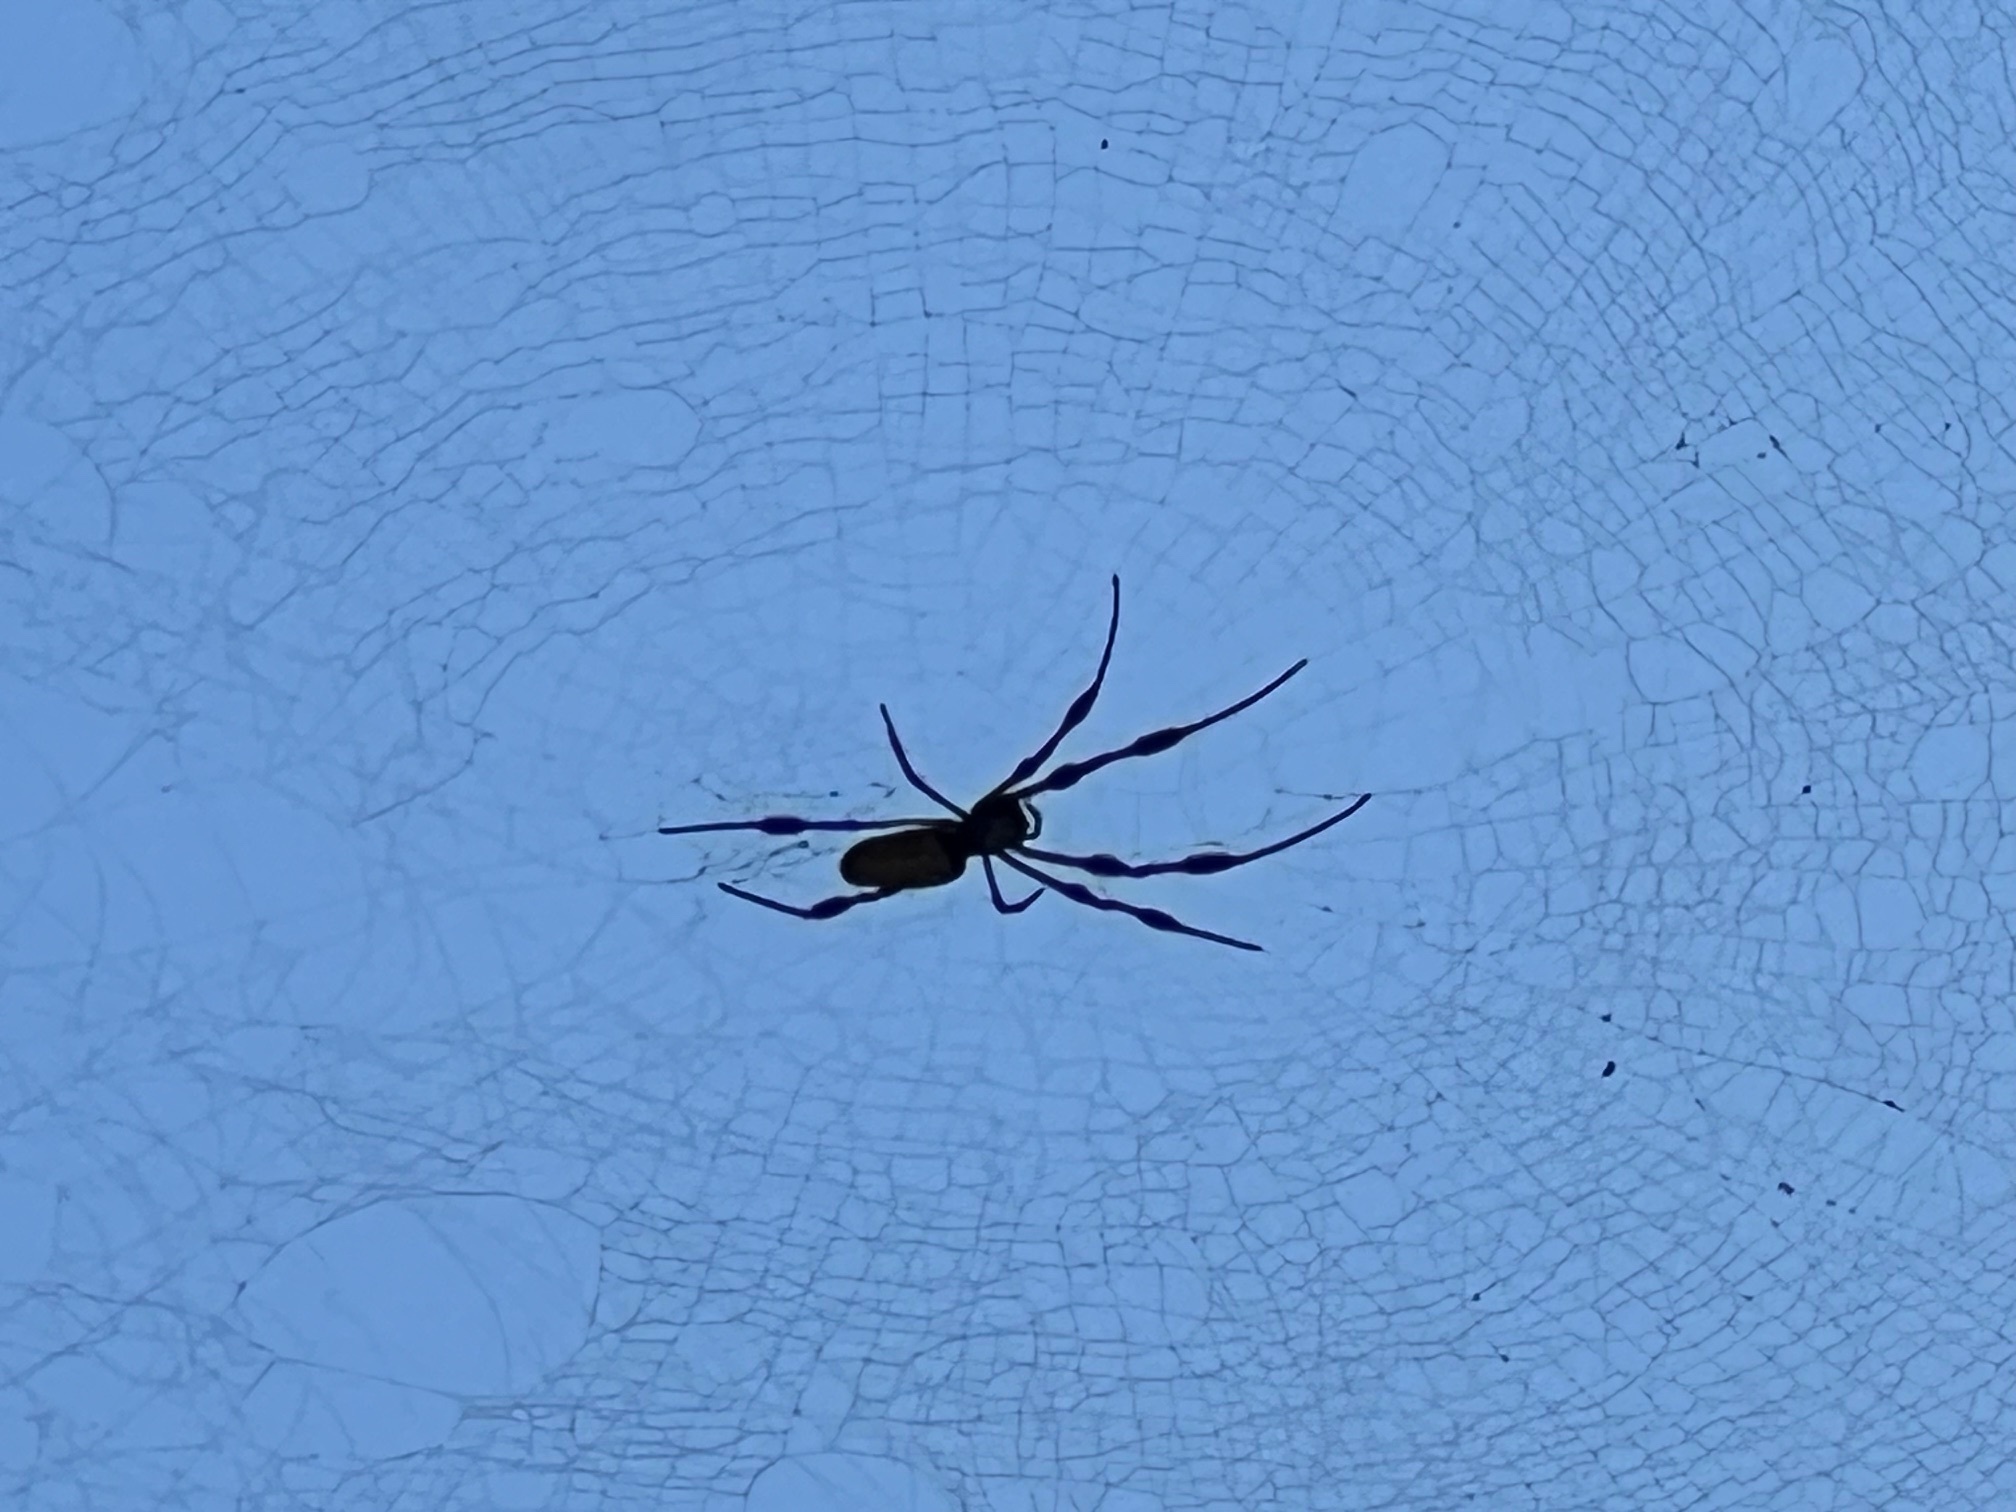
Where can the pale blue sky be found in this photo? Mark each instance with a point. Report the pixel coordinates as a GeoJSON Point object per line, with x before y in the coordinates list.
{"type": "Point", "coordinates": [440, 444]}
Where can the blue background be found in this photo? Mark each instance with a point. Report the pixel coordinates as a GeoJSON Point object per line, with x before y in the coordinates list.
{"type": "Point", "coordinates": [439, 444]}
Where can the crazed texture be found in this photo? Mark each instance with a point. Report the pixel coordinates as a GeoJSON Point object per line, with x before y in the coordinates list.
{"type": "Point", "coordinates": [438, 444]}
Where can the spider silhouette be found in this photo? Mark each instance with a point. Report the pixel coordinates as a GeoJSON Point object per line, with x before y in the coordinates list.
{"type": "Point", "coordinates": [932, 852]}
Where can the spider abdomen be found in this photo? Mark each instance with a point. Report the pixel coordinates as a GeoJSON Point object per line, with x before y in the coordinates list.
{"type": "Point", "coordinates": [908, 858]}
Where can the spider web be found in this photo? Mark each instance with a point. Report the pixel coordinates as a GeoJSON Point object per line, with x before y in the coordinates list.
{"type": "Point", "coordinates": [442, 443]}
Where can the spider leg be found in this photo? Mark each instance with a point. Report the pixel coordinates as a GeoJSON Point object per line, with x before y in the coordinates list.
{"type": "Point", "coordinates": [1154, 918]}
{"type": "Point", "coordinates": [1001, 904]}
{"type": "Point", "coordinates": [1155, 742]}
{"type": "Point", "coordinates": [1203, 864]}
{"type": "Point", "coordinates": [790, 824]}
{"type": "Point", "coordinates": [910, 772]}
{"type": "Point", "coordinates": [1080, 706]}
{"type": "Point", "coordinates": [826, 909]}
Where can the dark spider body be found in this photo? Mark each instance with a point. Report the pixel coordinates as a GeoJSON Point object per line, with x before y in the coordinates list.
{"type": "Point", "coordinates": [932, 852]}
{"type": "Point", "coordinates": [936, 852]}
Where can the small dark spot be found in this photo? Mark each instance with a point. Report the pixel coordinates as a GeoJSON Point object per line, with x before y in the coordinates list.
{"type": "Point", "coordinates": [1785, 1187]}
{"type": "Point", "coordinates": [1609, 1068]}
{"type": "Point", "coordinates": [1806, 789]}
{"type": "Point", "coordinates": [1102, 144]}
{"type": "Point", "coordinates": [1889, 1104]}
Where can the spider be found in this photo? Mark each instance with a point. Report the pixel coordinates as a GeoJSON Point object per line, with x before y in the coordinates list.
{"type": "Point", "coordinates": [932, 852]}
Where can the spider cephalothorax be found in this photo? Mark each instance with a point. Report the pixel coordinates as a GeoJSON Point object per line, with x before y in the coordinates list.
{"type": "Point", "coordinates": [1001, 821]}
{"type": "Point", "coordinates": [932, 852]}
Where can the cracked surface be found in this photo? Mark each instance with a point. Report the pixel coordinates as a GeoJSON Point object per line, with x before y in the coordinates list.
{"type": "Point", "coordinates": [439, 444]}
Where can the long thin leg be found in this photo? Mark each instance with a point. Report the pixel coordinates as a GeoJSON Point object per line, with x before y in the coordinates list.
{"type": "Point", "coordinates": [1203, 864]}
{"type": "Point", "coordinates": [1001, 904]}
{"type": "Point", "coordinates": [826, 909]}
{"type": "Point", "coordinates": [1074, 772]}
{"type": "Point", "coordinates": [1154, 918]}
{"type": "Point", "coordinates": [910, 772]}
{"type": "Point", "coordinates": [1080, 706]}
{"type": "Point", "coordinates": [790, 824]}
